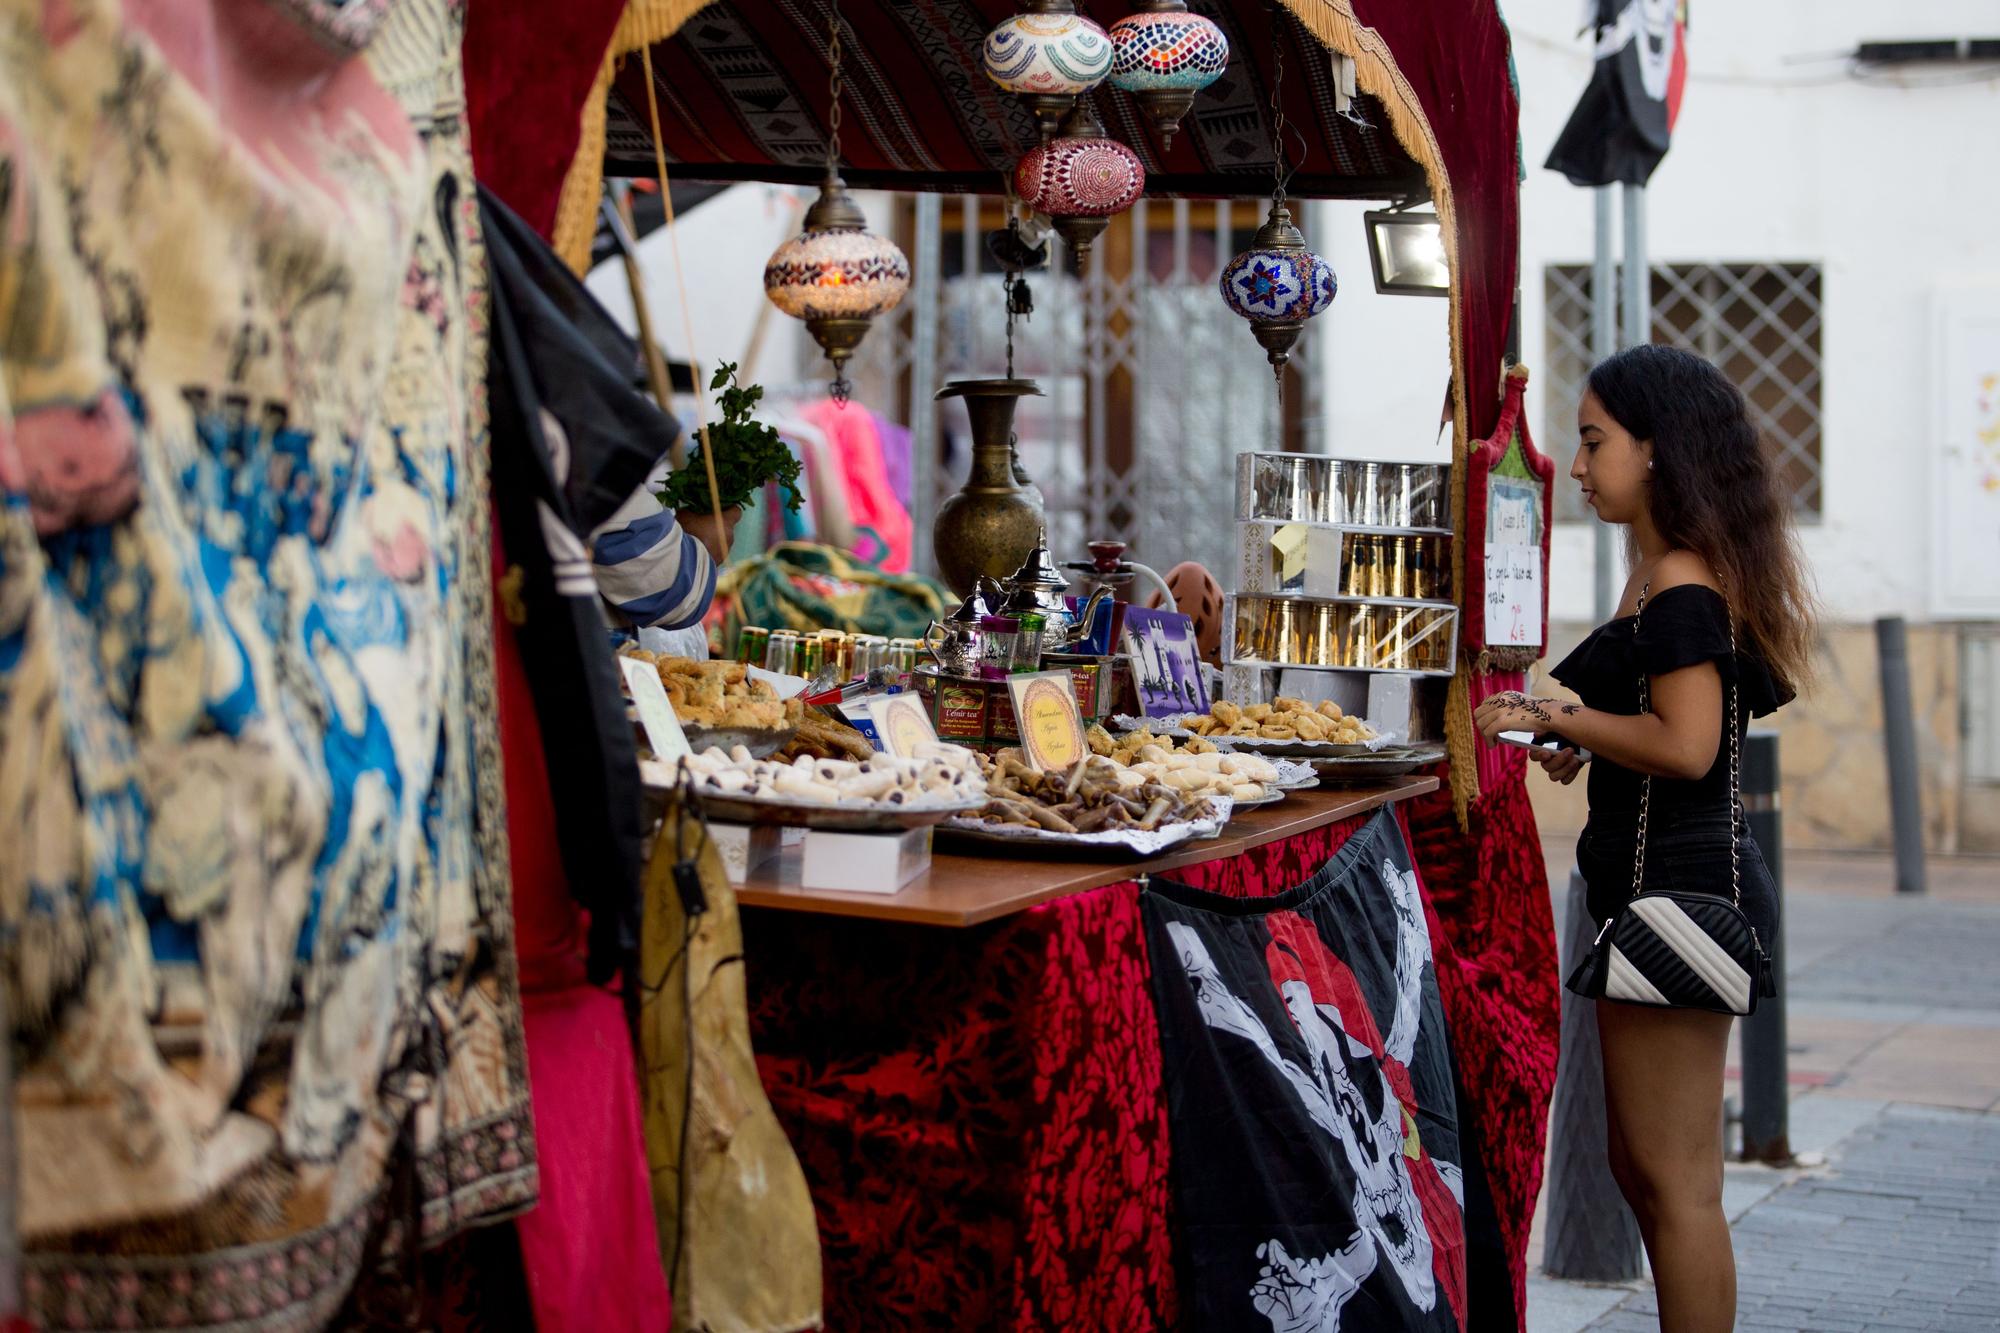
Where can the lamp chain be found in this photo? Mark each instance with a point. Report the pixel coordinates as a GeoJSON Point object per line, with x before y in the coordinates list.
{"type": "Point", "coordinates": [833, 87]}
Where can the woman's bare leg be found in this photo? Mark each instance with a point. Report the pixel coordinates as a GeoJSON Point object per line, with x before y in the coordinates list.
{"type": "Point", "coordinates": [1663, 1096]}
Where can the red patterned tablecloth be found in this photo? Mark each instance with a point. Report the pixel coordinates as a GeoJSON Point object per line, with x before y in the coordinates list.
{"type": "Point", "coordinates": [979, 1112]}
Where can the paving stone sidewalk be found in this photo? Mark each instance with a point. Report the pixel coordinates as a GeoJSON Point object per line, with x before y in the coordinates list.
{"type": "Point", "coordinates": [1893, 1222]}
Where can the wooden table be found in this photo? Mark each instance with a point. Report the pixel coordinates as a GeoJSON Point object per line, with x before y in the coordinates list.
{"type": "Point", "coordinates": [961, 890]}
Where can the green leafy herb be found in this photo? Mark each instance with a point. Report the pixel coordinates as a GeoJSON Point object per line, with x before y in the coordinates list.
{"type": "Point", "coordinates": [748, 453]}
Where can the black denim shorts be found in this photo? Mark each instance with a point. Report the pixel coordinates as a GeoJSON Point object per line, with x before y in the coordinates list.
{"type": "Point", "coordinates": [1687, 848]}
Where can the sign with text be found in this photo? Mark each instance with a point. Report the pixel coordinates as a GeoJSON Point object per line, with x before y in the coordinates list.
{"type": "Point", "coordinates": [1051, 726]}
{"type": "Point", "coordinates": [902, 727]}
{"type": "Point", "coordinates": [1513, 594]}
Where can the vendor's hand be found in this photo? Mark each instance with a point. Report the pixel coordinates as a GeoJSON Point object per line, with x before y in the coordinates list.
{"type": "Point", "coordinates": [700, 523]}
{"type": "Point", "coordinates": [1514, 711]}
{"type": "Point", "coordinates": [1562, 765]}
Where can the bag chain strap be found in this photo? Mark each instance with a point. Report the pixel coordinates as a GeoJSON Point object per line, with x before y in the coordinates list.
{"type": "Point", "coordinates": [1735, 767]}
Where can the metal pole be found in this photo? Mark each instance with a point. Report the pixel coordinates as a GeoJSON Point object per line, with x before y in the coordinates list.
{"type": "Point", "coordinates": [923, 380]}
{"type": "Point", "coordinates": [1603, 342]}
{"type": "Point", "coordinates": [1592, 1235]}
{"type": "Point", "coordinates": [1767, 1127]}
{"type": "Point", "coordinates": [1899, 739]}
{"type": "Point", "coordinates": [1638, 275]}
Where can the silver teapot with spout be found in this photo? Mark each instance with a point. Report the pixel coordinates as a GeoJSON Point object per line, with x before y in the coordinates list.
{"type": "Point", "coordinates": [1038, 586]}
{"type": "Point", "coordinates": [954, 642]}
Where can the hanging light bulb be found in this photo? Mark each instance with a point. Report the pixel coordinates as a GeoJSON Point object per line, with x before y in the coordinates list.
{"type": "Point", "coordinates": [1163, 56]}
{"type": "Point", "coordinates": [836, 275]}
{"type": "Point", "coordinates": [1278, 284]}
{"type": "Point", "coordinates": [1049, 55]}
{"type": "Point", "coordinates": [1080, 178]}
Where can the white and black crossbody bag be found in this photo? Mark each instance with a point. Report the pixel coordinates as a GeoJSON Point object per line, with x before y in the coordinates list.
{"type": "Point", "coordinates": [1675, 948]}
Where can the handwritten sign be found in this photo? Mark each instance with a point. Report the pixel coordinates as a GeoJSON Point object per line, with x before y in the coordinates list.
{"type": "Point", "coordinates": [1051, 726]}
{"type": "Point", "coordinates": [1510, 515]}
{"type": "Point", "coordinates": [1513, 594]}
{"type": "Point", "coordinates": [901, 724]}
{"type": "Point", "coordinates": [656, 711]}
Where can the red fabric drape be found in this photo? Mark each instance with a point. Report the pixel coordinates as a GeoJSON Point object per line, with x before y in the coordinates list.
{"type": "Point", "coordinates": [1454, 56]}
{"type": "Point", "coordinates": [529, 66]}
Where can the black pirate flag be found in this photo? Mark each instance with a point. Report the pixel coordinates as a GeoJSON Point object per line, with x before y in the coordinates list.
{"type": "Point", "coordinates": [1621, 126]}
{"type": "Point", "coordinates": [1310, 1097]}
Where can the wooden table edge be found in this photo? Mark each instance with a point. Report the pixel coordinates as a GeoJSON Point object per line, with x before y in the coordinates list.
{"type": "Point", "coordinates": [775, 885]}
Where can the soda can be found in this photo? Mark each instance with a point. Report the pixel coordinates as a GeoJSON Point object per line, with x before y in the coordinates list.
{"type": "Point", "coordinates": [811, 657]}
{"type": "Point", "coordinates": [780, 649]}
{"type": "Point", "coordinates": [751, 642]}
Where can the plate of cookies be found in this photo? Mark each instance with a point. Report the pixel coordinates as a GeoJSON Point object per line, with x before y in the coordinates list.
{"type": "Point", "coordinates": [720, 706]}
{"type": "Point", "coordinates": [1285, 726]}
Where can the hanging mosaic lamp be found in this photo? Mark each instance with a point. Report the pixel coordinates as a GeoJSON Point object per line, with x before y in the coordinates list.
{"type": "Point", "coordinates": [1080, 178]}
{"type": "Point", "coordinates": [1278, 284]}
{"type": "Point", "coordinates": [836, 275]}
{"type": "Point", "coordinates": [1163, 56]}
{"type": "Point", "coordinates": [1049, 55]}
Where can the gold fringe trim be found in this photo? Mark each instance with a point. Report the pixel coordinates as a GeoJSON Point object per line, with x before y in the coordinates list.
{"type": "Point", "coordinates": [1375, 73]}
{"type": "Point", "coordinates": [643, 23]}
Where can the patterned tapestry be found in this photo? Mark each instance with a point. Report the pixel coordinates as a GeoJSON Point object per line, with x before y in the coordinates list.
{"type": "Point", "coordinates": [254, 888]}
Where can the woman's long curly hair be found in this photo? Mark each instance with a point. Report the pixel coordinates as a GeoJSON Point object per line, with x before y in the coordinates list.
{"type": "Point", "coordinates": [1714, 492]}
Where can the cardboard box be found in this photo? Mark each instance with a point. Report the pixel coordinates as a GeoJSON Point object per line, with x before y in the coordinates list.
{"type": "Point", "coordinates": [863, 862]}
{"type": "Point", "coordinates": [745, 847]}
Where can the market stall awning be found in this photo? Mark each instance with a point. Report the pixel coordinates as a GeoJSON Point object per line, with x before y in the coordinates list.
{"type": "Point", "coordinates": [742, 95]}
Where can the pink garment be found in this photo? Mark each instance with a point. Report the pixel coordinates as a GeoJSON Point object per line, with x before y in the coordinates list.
{"type": "Point", "coordinates": [850, 433]}
{"type": "Point", "coordinates": [590, 1246]}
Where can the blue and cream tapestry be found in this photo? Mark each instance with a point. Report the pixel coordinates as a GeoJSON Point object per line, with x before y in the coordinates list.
{"type": "Point", "coordinates": [253, 876]}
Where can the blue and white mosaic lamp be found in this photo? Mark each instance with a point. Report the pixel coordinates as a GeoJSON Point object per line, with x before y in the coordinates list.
{"type": "Point", "coordinates": [1163, 56]}
{"type": "Point", "coordinates": [1049, 55]}
{"type": "Point", "coordinates": [1278, 284]}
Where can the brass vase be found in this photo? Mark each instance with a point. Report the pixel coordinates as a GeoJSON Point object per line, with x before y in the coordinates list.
{"type": "Point", "coordinates": [993, 522]}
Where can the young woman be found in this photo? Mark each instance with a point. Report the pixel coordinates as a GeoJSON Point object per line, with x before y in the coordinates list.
{"type": "Point", "coordinates": [1717, 604]}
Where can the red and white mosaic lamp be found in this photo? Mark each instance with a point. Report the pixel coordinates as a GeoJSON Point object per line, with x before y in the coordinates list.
{"type": "Point", "coordinates": [1080, 178]}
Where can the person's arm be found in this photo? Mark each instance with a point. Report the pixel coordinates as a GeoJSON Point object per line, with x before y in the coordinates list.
{"type": "Point", "coordinates": [1679, 738]}
{"type": "Point", "coordinates": [650, 567]}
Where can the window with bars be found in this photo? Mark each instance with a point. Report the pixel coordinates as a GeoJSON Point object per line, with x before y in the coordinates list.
{"type": "Point", "coordinates": [1760, 323]}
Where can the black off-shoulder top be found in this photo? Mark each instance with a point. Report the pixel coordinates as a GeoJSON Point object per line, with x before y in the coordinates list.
{"type": "Point", "coordinates": [1682, 626]}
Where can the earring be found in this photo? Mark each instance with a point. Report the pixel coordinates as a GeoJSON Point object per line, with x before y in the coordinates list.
{"type": "Point", "coordinates": [1649, 465]}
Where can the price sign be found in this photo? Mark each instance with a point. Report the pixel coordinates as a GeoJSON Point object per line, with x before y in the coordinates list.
{"type": "Point", "coordinates": [1513, 594]}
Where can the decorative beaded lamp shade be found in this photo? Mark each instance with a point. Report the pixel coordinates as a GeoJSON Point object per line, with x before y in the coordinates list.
{"type": "Point", "coordinates": [1164, 57]}
{"type": "Point", "coordinates": [1278, 284]}
{"type": "Point", "coordinates": [838, 274]}
{"type": "Point", "coordinates": [1080, 178]}
{"type": "Point", "coordinates": [1049, 58]}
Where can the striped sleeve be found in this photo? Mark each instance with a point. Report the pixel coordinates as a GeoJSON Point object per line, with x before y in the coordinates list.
{"type": "Point", "coordinates": [650, 570]}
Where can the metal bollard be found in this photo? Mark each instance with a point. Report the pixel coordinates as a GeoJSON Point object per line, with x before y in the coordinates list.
{"type": "Point", "coordinates": [1899, 741]}
{"type": "Point", "coordinates": [1592, 1236]}
{"type": "Point", "coordinates": [1767, 1120]}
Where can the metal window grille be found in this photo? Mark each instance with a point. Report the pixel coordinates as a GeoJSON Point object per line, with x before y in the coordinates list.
{"type": "Point", "coordinates": [1151, 384]}
{"type": "Point", "coordinates": [1760, 323]}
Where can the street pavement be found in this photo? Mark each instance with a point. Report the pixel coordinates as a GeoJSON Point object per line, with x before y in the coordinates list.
{"type": "Point", "coordinates": [1890, 1219]}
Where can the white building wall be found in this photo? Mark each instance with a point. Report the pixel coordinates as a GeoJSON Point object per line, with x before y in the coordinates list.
{"type": "Point", "coordinates": [1779, 155]}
